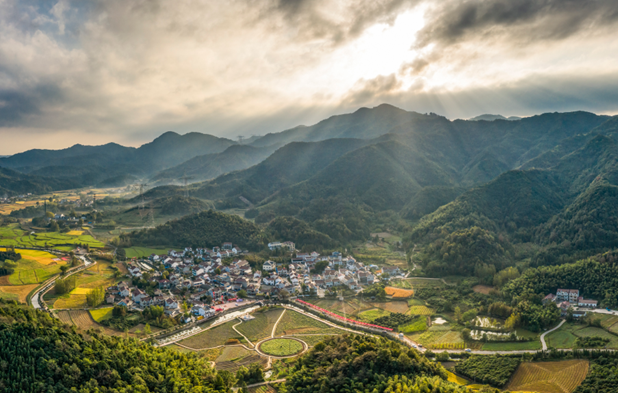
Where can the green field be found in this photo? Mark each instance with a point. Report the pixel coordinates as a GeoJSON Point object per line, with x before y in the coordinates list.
{"type": "Point", "coordinates": [514, 346]}
{"type": "Point", "coordinates": [101, 314]}
{"type": "Point", "coordinates": [34, 267]}
{"type": "Point", "coordinates": [281, 347]}
{"type": "Point", "coordinates": [311, 340]}
{"type": "Point", "coordinates": [296, 323]}
{"type": "Point", "coordinates": [371, 315]}
{"type": "Point", "coordinates": [213, 337]}
{"type": "Point", "coordinates": [262, 326]}
{"type": "Point", "coordinates": [141, 252]}
{"type": "Point", "coordinates": [13, 236]}
{"type": "Point", "coordinates": [417, 326]}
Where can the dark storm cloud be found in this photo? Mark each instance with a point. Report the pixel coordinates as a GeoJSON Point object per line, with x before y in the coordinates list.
{"type": "Point", "coordinates": [519, 20]}
{"type": "Point", "coordinates": [339, 22]}
{"type": "Point", "coordinates": [17, 105]}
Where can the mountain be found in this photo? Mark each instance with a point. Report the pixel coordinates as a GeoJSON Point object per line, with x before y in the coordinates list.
{"type": "Point", "coordinates": [209, 166]}
{"type": "Point", "coordinates": [365, 123]}
{"type": "Point", "coordinates": [13, 182]}
{"type": "Point", "coordinates": [429, 199]}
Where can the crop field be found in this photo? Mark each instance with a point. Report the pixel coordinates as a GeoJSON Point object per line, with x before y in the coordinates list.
{"type": "Point", "coordinates": [235, 366]}
{"type": "Point", "coordinates": [262, 326]}
{"type": "Point", "coordinates": [101, 274]}
{"type": "Point", "coordinates": [398, 293]}
{"type": "Point", "coordinates": [281, 347]}
{"type": "Point", "coordinates": [598, 332]}
{"type": "Point", "coordinates": [512, 346]}
{"type": "Point", "coordinates": [34, 267]}
{"type": "Point", "coordinates": [348, 307]}
{"type": "Point", "coordinates": [373, 314]}
{"type": "Point", "coordinates": [139, 252]}
{"type": "Point", "coordinates": [549, 377]}
{"type": "Point", "coordinates": [296, 323]}
{"type": "Point", "coordinates": [607, 321]}
{"type": "Point", "coordinates": [312, 339]}
{"type": "Point", "coordinates": [16, 292]}
{"type": "Point", "coordinates": [425, 283]}
{"type": "Point", "coordinates": [456, 379]}
{"type": "Point", "coordinates": [101, 314]}
{"type": "Point", "coordinates": [65, 317]}
{"type": "Point", "coordinates": [394, 306]}
{"type": "Point", "coordinates": [420, 310]}
{"type": "Point", "coordinates": [262, 389]}
{"type": "Point", "coordinates": [15, 237]}
{"type": "Point", "coordinates": [418, 325]}
{"type": "Point", "coordinates": [231, 354]}
{"type": "Point", "coordinates": [403, 284]}
{"type": "Point", "coordinates": [213, 337]}
{"type": "Point", "coordinates": [83, 320]}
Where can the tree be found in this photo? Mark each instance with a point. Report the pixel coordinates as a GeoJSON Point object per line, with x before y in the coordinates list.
{"type": "Point", "coordinates": [147, 330]}
{"type": "Point", "coordinates": [119, 311]}
{"type": "Point", "coordinates": [458, 315]}
{"type": "Point", "coordinates": [242, 294]}
{"type": "Point", "coordinates": [64, 269]}
{"type": "Point", "coordinates": [95, 297]}
{"type": "Point", "coordinates": [284, 294]}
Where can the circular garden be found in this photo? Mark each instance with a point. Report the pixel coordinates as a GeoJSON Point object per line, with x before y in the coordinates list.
{"type": "Point", "coordinates": [282, 347]}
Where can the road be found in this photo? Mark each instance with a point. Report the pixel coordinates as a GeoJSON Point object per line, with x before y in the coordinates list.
{"type": "Point", "coordinates": [549, 331]}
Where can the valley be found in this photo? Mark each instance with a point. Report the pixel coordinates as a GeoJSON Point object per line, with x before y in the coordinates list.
{"type": "Point", "coordinates": [441, 246]}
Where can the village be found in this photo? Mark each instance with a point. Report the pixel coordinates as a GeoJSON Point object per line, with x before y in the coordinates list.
{"type": "Point", "coordinates": [194, 284]}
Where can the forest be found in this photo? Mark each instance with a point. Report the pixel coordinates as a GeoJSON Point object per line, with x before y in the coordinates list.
{"type": "Point", "coordinates": [39, 354]}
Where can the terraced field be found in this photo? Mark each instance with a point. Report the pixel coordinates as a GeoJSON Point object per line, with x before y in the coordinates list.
{"type": "Point", "coordinates": [549, 377]}
{"type": "Point", "coordinates": [65, 317]}
{"type": "Point", "coordinates": [296, 323]}
{"type": "Point", "coordinates": [13, 236]}
{"type": "Point", "coordinates": [236, 365]}
{"type": "Point", "coordinates": [262, 326]}
{"type": "Point", "coordinates": [231, 354]}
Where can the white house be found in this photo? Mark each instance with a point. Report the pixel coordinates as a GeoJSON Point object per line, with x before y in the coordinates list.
{"type": "Point", "coordinates": [581, 302]}
{"type": "Point", "coordinates": [269, 266]}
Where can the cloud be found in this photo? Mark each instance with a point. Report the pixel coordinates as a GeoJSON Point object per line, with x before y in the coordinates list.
{"type": "Point", "coordinates": [515, 21]}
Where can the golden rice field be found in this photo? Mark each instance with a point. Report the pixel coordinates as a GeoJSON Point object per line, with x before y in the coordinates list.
{"type": "Point", "coordinates": [17, 292]}
{"type": "Point", "coordinates": [398, 293]}
{"type": "Point", "coordinates": [81, 291]}
{"type": "Point", "coordinates": [456, 379]}
{"type": "Point", "coordinates": [549, 377]}
{"type": "Point", "coordinates": [75, 233]}
{"type": "Point", "coordinates": [449, 346]}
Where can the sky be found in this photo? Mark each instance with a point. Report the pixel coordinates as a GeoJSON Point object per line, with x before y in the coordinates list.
{"type": "Point", "coordinates": [124, 71]}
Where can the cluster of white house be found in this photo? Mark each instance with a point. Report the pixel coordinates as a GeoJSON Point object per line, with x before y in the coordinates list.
{"type": "Point", "coordinates": [567, 298]}
{"type": "Point", "coordinates": [199, 276]}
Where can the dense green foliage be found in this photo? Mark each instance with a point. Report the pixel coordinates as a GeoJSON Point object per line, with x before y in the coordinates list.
{"type": "Point", "coordinates": [206, 229]}
{"type": "Point", "coordinates": [305, 238]}
{"type": "Point", "coordinates": [494, 370]}
{"type": "Point", "coordinates": [602, 377]}
{"type": "Point", "coordinates": [591, 342]}
{"type": "Point", "coordinates": [394, 320]}
{"type": "Point", "coordinates": [595, 278]}
{"type": "Point", "coordinates": [347, 363]}
{"type": "Point", "coordinates": [428, 200]}
{"type": "Point", "coordinates": [40, 355]}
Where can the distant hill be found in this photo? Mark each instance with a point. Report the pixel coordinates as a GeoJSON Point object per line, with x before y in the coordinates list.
{"type": "Point", "coordinates": [488, 117]}
{"type": "Point", "coordinates": [13, 182]}
{"type": "Point", "coordinates": [209, 166]}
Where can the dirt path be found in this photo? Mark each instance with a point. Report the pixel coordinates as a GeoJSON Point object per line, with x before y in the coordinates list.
{"type": "Point", "coordinates": [245, 337]}
{"type": "Point", "coordinates": [549, 331]}
{"type": "Point", "coordinates": [277, 324]}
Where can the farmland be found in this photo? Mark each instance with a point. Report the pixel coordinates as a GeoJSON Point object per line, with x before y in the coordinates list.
{"type": "Point", "coordinates": [398, 293]}
{"type": "Point", "coordinates": [213, 337]}
{"type": "Point", "coordinates": [101, 274]}
{"type": "Point", "coordinates": [101, 314]}
{"type": "Point", "coordinates": [312, 339]}
{"type": "Point", "coordinates": [373, 314]}
{"type": "Point", "coordinates": [549, 377]}
{"type": "Point", "coordinates": [281, 347]}
{"type": "Point", "coordinates": [296, 323]}
{"type": "Point", "coordinates": [34, 267]}
{"type": "Point", "coordinates": [393, 306]}
{"type": "Point", "coordinates": [16, 292]}
{"type": "Point", "coordinates": [139, 252]}
{"type": "Point", "coordinates": [568, 333]}
{"type": "Point", "coordinates": [262, 326]}
{"type": "Point", "coordinates": [14, 236]}
{"type": "Point", "coordinates": [420, 310]}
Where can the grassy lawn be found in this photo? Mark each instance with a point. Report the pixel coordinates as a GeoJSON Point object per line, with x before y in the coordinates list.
{"type": "Point", "coordinates": [101, 314]}
{"type": "Point", "coordinates": [563, 337]}
{"type": "Point", "coordinates": [296, 323]}
{"type": "Point", "coordinates": [514, 346]}
{"type": "Point", "coordinates": [213, 337]}
{"type": "Point", "coordinates": [281, 347]}
{"type": "Point", "coordinates": [371, 315]}
{"type": "Point", "coordinates": [139, 252]}
{"type": "Point", "coordinates": [262, 326]}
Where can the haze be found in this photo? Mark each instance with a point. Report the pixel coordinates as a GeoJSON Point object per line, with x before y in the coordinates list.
{"type": "Point", "coordinates": [126, 71]}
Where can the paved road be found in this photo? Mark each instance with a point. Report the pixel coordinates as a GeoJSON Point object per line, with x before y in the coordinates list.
{"type": "Point", "coordinates": [549, 331]}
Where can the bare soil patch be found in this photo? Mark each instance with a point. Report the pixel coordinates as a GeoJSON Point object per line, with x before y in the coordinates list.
{"type": "Point", "coordinates": [484, 289]}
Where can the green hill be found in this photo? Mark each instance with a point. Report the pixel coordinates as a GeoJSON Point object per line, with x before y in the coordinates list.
{"type": "Point", "coordinates": [205, 229]}
{"type": "Point", "coordinates": [428, 200]}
